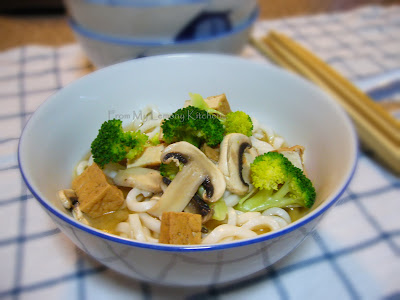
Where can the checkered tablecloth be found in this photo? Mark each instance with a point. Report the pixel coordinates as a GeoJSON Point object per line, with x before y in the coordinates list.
{"type": "Point", "coordinates": [353, 254]}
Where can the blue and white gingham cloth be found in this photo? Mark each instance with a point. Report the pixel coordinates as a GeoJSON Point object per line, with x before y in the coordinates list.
{"type": "Point", "coordinates": [353, 254]}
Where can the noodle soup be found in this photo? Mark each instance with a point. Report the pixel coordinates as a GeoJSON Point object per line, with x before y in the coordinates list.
{"type": "Point", "coordinates": [203, 175]}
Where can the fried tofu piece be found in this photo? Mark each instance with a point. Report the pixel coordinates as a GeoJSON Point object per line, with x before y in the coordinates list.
{"type": "Point", "coordinates": [96, 195]}
{"type": "Point", "coordinates": [151, 157]}
{"type": "Point", "coordinates": [294, 155]}
{"type": "Point", "coordinates": [211, 153]}
{"type": "Point", "coordinates": [180, 228]}
{"type": "Point", "coordinates": [218, 102]}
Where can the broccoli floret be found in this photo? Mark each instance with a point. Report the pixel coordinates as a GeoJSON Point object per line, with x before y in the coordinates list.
{"type": "Point", "coordinates": [112, 144]}
{"type": "Point", "coordinates": [278, 183]}
{"type": "Point", "coordinates": [193, 125]}
{"type": "Point", "coordinates": [238, 122]}
{"type": "Point", "coordinates": [170, 170]}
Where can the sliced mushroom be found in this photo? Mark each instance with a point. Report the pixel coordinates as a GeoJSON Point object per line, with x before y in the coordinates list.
{"type": "Point", "coordinates": [197, 170]}
{"type": "Point", "coordinates": [248, 157]}
{"type": "Point", "coordinates": [196, 205]}
{"type": "Point", "coordinates": [230, 162]}
{"type": "Point", "coordinates": [199, 206]}
{"type": "Point", "coordinates": [149, 158]}
{"type": "Point", "coordinates": [78, 215]}
{"type": "Point", "coordinates": [142, 178]}
{"type": "Point", "coordinates": [69, 200]}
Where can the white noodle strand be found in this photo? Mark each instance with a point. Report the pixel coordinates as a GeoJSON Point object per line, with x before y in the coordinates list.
{"type": "Point", "coordinates": [81, 167]}
{"type": "Point", "coordinates": [133, 203]}
{"type": "Point", "coordinates": [137, 228]}
{"type": "Point", "coordinates": [231, 199]}
{"type": "Point", "coordinates": [150, 222]}
{"type": "Point", "coordinates": [90, 160]}
{"type": "Point", "coordinates": [261, 221]}
{"type": "Point", "coordinates": [224, 231]}
{"type": "Point", "coordinates": [281, 222]}
{"type": "Point", "coordinates": [232, 216]}
{"type": "Point", "coordinates": [123, 228]}
{"type": "Point", "coordinates": [245, 217]}
{"type": "Point", "coordinates": [276, 211]}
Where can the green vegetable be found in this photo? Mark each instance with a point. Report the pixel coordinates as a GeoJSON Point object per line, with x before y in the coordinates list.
{"type": "Point", "coordinates": [193, 125]}
{"type": "Point", "coordinates": [113, 144]}
{"type": "Point", "coordinates": [278, 183]}
{"type": "Point", "coordinates": [154, 141]}
{"type": "Point", "coordinates": [170, 170]}
{"type": "Point", "coordinates": [198, 101]}
{"type": "Point", "coordinates": [238, 122]}
{"type": "Point", "coordinates": [220, 210]}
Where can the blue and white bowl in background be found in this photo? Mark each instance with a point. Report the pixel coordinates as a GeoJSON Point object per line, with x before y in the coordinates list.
{"type": "Point", "coordinates": [161, 20]}
{"type": "Point", "coordinates": [105, 49]}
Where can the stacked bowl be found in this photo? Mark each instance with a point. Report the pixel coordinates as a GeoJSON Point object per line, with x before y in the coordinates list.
{"type": "Point", "coordinates": [112, 31]}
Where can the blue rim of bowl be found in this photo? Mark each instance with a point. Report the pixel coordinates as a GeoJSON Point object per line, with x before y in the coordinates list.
{"type": "Point", "coordinates": [196, 248]}
{"type": "Point", "coordinates": [119, 40]}
{"type": "Point", "coordinates": [144, 3]}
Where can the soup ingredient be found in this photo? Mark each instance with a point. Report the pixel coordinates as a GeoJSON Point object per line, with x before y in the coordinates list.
{"type": "Point", "coordinates": [231, 162]}
{"type": "Point", "coordinates": [294, 154]}
{"type": "Point", "coordinates": [149, 158]}
{"type": "Point", "coordinates": [141, 178]}
{"type": "Point", "coordinates": [197, 170]}
{"type": "Point", "coordinates": [198, 206]}
{"type": "Point", "coordinates": [113, 144]}
{"type": "Point", "coordinates": [67, 198]}
{"type": "Point", "coordinates": [215, 104]}
{"type": "Point", "coordinates": [96, 195]}
{"type": "Point", "coordinates": [278, 184]}
{"type": "Point", "coordinates": [155, 140]}
{"type": "Point", "coordinates": [170, 170]}
{"type": "Point", "coordinates": [238, 122]}
{"type": "Point", "coordinates": [193, 125]}
{"type": "Point", "coordinates": [198, 101]}
{"type": "Point", "coordinates": [180, 228]}
{"type": "Point", "coordinates": [210, 152]}
{"type": "Point", "coordinates": [220, 210]}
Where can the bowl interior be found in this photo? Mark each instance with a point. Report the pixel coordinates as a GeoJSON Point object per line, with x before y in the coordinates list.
{"type": "Point", "coordinates": [59, 134]}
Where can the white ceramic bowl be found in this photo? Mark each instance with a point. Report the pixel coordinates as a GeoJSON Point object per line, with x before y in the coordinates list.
{"type": "Point", "coordinates": [170, 20]}
{"type": "Point", "coordinates": [59, 134]}
{"type": "Point", "coordinates": [103, 50]}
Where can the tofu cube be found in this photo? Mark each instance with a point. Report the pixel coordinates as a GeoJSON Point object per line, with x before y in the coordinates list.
{"type": "Point", "coordinates": [96, 195]}
{"type": "Point", "coordinates": [218, 102]}
{"type": "Point", "coordinates": [180, 228]}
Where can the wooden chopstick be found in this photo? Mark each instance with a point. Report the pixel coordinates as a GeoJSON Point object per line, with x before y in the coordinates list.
{"type": "Point", "coordinates": [377, 129]}
{"type": "Point", "coordinates": [355, 97]}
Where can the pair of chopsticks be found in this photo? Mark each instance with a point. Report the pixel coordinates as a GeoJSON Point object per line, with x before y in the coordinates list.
{"type": "Point", "coordinates": [378, 130]}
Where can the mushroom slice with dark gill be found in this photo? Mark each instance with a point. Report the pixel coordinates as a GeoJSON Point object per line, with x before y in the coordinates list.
{"type": "Point", "coordinates": [67, 198]}
{"type": "Point", "coordinates": [231, 162]}
{"type": "Point", "coordinates": [199, 206]}
{"type": "Point", "coordinates": [69, 201]}
{"type": "Point", "coordinates": [197, 170]}
{"type": "Point", "coordinates": [196, 205]}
